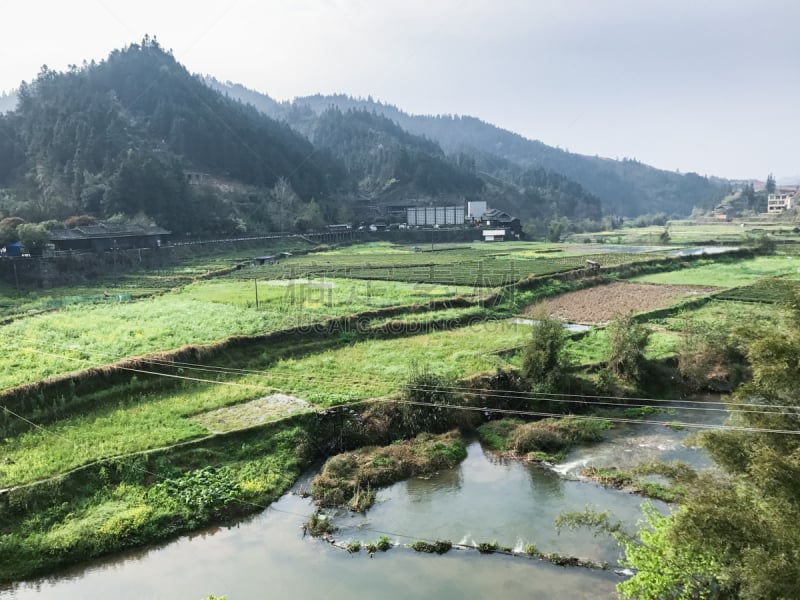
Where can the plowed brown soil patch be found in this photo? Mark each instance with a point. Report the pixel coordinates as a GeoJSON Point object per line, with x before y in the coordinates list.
{"type": "Point", "coordinates": [606, 302]}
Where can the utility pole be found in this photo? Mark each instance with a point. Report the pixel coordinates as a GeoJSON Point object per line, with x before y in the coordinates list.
{"type": "Point", "coordinates": [255, 285]}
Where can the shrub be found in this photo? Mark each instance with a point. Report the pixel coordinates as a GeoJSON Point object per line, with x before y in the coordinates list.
{"type": "Point", "coordinates": [627, 343]}
{"type": "Point", "coordinates": [531, 438]}
{"type": "Point", "coordinates": [531, 550]}
{"type": "Point", "coordinates": [319, 524]}
{"type": "Point", "coordinates": [542, 360]}
{"type": "Point", "coordinates": [488, 547]}
{"type": "Point", "coordinates": [204, 492]}
{"type": "Point", "coordinates": [495, 434]}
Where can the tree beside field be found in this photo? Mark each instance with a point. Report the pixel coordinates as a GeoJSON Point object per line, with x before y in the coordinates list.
{"type": "Point", "coordinates": [543, 361]}
{"type": "Point", "coordinates": [736, 535]}
{"type": "Point", "coordinates": [627, 344]}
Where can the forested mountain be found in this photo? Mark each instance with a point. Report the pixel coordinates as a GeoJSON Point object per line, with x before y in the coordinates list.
{"type": "Point", "coordinates": [384, 161]}
{"type": "Point", "coordinates": [626, 187]}
{"type": "Point", "coordinates": [119, 136]}
{"type": "Point", "coordinates": [387, 163]}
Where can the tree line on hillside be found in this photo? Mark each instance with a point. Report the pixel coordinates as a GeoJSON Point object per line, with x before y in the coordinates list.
{"type": "Point", "coordinates": [626, 187]}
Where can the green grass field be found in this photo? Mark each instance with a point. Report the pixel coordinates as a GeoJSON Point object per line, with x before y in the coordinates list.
{"type": "Point", "coordinates": [728, 273]}
{"type": "Point", "coordinates": [477, 265]}
{"type": "Point", "coordinates": [191, 264]}
{"type": "Point", "coordinates": [138, 417]}
{"type": "Point", "coordinates": [298, 291]}
{"type": "Point", "coordinates": [685, 232]}
{"type": "Point", "coordinates": [730, 316]}
{"type": "Point", "coordinates": [82, 336]}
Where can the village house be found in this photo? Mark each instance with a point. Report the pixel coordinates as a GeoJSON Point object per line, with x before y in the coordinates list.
{"type": "Point", "coordinates": [498, 226]}
{"type": "Point", "coordinates": [107, 236]}
{"type": "Point", "coordinates": [781, 200]}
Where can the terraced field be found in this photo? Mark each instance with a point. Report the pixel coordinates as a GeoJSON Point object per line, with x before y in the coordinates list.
{"type": "Point", "coordinates": [729, 273]}
{"type": "Point", "coordinates": [769, 291]}
{"type": "Point", "coordinates": [462, 267]}
{"type": "Point", "coordinates": [102, 450]}
{"type": "Point", "coordinates": [604, 303]}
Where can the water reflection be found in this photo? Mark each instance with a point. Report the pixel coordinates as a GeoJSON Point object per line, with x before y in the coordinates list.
{"type": "Point", "coordinates": [510, 502]}
{"type": "Point", "coordinates": [268, 557]}
{"type": "Point", "coordinates": [424, 489]}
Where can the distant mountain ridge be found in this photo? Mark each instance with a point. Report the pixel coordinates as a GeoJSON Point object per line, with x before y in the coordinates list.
{"type": "Point", "coordinates": [626, 187]}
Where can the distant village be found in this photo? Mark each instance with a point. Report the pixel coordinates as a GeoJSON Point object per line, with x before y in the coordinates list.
{"type": "Point", "coordinates": [494, 225]}
{"type": "Point", "coordinates": [778, 201]}
{"type": "Point", "coordinates": [488, 224]}
{"type": "Point", "coordinates": [477, 219]}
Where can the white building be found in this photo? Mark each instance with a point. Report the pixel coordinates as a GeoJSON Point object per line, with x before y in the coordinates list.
{"type": "Point", "coordinates": [435, 215]}
{"type": "Point", "coordinates": [475, 210]}
{"type": "Point", "coordinates": [781, 201]}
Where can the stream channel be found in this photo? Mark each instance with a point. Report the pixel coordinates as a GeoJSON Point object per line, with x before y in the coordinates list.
{"type": "Point", "coordinates": [484, 499]}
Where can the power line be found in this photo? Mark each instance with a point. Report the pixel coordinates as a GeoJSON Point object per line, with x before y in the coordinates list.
{"type": "Point", "coordinates": [583, 400]}
{"type": "Point", "coordinates": [594, 418]}
{"type": "Point", "coordinates": [576, 399]}
{"type": "Point", "coordinates": [455, 388]}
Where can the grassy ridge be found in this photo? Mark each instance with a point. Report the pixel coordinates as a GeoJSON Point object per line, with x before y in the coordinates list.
{"type": "Point", "coordinates": [136, 417]}
{"type": "Point", "coordinates": [351, 478]}
{"type": "Point", "coordinates": [726, 273]}
{"type": "Point", "coordinates": [147, 498]}
{"type": "Point", "coordinates": [78, 337]}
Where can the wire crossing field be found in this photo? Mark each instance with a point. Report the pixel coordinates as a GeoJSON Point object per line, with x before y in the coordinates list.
{"type": "Point", "coordinates": [121, 460]}
{"type": "Point", "coordinates": [257, 300]}
{"type": "Point", "coordinates": [82, 336]}
{"type": "Point", "coordinates": [154, 414]}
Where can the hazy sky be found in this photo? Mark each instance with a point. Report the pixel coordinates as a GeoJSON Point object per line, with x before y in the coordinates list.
{"type": "Point", "coordinates": [711, 86]}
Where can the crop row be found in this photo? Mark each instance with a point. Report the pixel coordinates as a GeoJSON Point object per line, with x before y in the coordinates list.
{"type": "Point", "coordinates": [768, 292]}
{"type": "Point", "coordinates": [481, 272]}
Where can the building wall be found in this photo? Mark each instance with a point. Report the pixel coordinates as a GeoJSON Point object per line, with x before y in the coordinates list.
{"type": "Point", "coordinates": [476, 209]}
{"type": "Point", "coordinates": [435, 215]}
{"type": "Point", "coordinates": [777, 203]}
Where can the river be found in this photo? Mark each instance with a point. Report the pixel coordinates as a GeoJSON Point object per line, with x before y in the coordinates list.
{"type": "Point", "coordinates": [482, 500]}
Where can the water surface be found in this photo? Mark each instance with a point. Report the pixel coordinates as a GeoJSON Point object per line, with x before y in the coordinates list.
{"type": "Point", "coordinates": [484, 499]}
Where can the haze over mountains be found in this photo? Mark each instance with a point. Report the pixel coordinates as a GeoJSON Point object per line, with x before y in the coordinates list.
{"type": "Point", "coordinates": [119, 137]}
{"type": "Point", "coordinates": [626, 187]}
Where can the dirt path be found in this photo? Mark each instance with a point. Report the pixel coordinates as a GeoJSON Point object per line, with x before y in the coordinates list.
{"type": "Point", "coordinates": [605, 302]}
